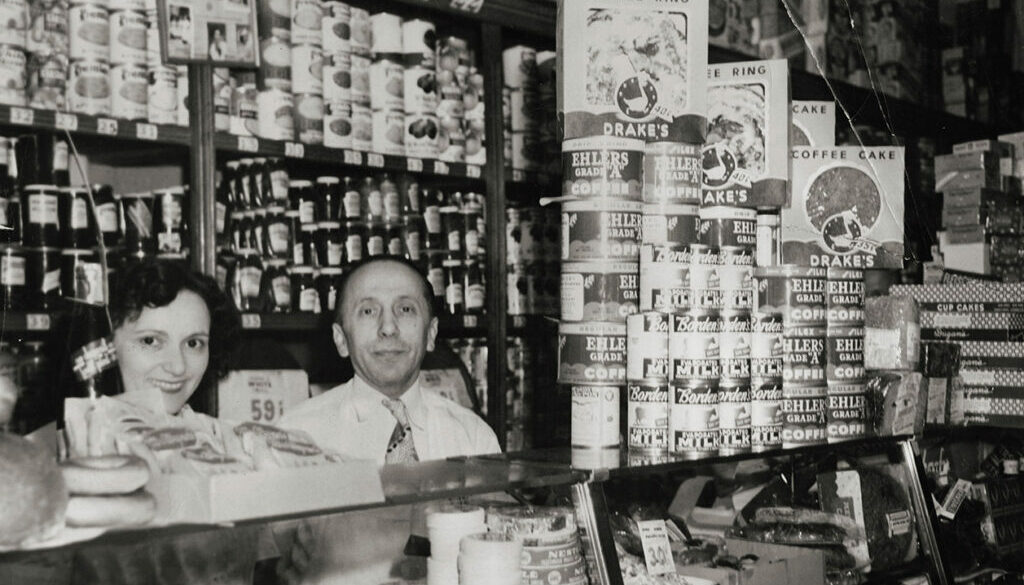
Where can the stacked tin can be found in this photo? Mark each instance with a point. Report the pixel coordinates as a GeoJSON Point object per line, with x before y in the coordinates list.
{"type": "Point", "coordinates": [532, 248]}
{"type": "Point", "coordinates": [307, 70]}
{"type": "Point", "coordinates": [846, 414]}
{"type": "Point", "coordinates": [13, 56]}
{"type": "Point", "coordinates": [275, 106]}
{"type": "Point", "coordinates": [521, 94]}
{"type": "Point", "coordinates": [387, 85]}
{"type": "Point", "coordinates": [47, 50]}
{"type": "Point", "coordinates": [600, 283]}
{"type": "Point", "coordinates": [89, 70]}
{"type": "Point", "coordinates": [548, 144]}
{"type": "Point", "coordinates": [460, 107]}
{"type": "Point", "coordinates": [336, 36]}
{"type": "Point", "coordinates": [420, 88]}
{"type": "Point", "coordinates": [129, 72]}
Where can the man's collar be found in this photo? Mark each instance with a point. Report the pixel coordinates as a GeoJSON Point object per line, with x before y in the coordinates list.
{"type": "Point", "coordinates": [367, 400]}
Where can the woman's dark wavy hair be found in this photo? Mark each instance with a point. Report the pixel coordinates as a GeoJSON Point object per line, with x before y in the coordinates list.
{"type": "Point", "coordinates": [156, 283]}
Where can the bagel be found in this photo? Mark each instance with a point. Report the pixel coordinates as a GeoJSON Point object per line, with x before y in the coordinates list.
{"type": "Point", "coordinates": [105, 474]}
{"type": "Point", "coordinates": [124, 510]}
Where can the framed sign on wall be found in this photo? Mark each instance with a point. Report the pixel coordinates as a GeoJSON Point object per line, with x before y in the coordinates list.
{"type": "Point", "coordinates": [219, 32]}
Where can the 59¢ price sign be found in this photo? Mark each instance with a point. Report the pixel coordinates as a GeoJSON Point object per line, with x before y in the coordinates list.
{"type": "Point", "coordinates": [266, 410]}
{"type": "Point", "coordinates": [262, 396]}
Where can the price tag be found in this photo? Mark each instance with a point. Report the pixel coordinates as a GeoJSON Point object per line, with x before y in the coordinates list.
{"type": "Point", "coordinates": [374, 159]}
{"type": "Point", "coordinates": [518, 175]}
{"type": "Point", "coordinates": [251, 321]}
{"type": "Point", "coordinates": [146, 131]}
{"type": "Point", "coordinates": [441, 168]}
{"type": "Point", "coordinates": [294, 150]}
{"type": "Point", "coordinates": [248, 144]}
{"type": "Point", "coordinates": [414, 165]}
{"type": "Point", "coordinates": [657, 551]}
{"type": "Point", "coordinates": [261, 395]}
{"type": "Point", "coordinates": [470, 321]}
{"type": "Point", "coordinates": [106, 126]}
{"type": "Point", "coordinates": [473, 171]}
{"type": "Point", "coordinates": [37, 322]}
{"type": "Point", "coordinates": [473, 6]}
{"type": "Point", "coordinates": [23, 116]}
{"type": "Point", "coordinates": [66, 121]}
{"type": "Point", "coordinates": [353, 157]}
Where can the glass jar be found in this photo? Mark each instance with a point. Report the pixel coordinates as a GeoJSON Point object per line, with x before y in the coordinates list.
{"type": "Point", "coordinates": [351, 199]}
{"type": "Point", "coordinates": [330, 249]}
{"type": "Point", "coordinates": [302, 198]}
{"type": "Point", "coordinates": [243, 185]}
{"type": "Point", "coordinates": [372, 200]}
{"type": "Point", "coordinates": [436, 277]}
{"type": "Point", "coordinates": [42, 278]}
{"type": "Point", "coordinates": [277, 286]}
{"type": "Point", "coordinates": [471, 235]}
{"type": "Point", "coordinates": [391, 200]}
{"type": "Point", "coordinates": [376, 240]}
{"type": "Point", "coordinates": [394, 239]}
{"type": "Point", "coordinates": [260, 188]}
{"type": "Point", "coordinates": [475, 291]}
{"type": "Point", "coordinates": [355, 241]}
{"type": "Point", "coordinates": [452, 227]}
{"type": "Point", "coordinates": [278, 180]}
{"type": "Point", "coordinates": [454, 287]}
{"type": "Point", "coordinates": [328, 282]}
{"type": "Point", "coordinates": [76, 224]}
{"type": "Point", "coordinates": [413, 235]}
{"type": "Point", "coordinates": [433, 200]}
{"type": "Point", "coordinates": [304, 293]}
{"type": "Point", "coordinates": [239, 231]}
{"type": "Point", "coordinates": [277, 236]}
{"type": "Point", "coordinates": [13, 280]}
{"type": "Point", "coordinates": [329, 197]}
{"type": "Point", "coordinates": [245, 286]}
{"type": "Point", "coordinates": [259, 218]}
{"type": "Point", "coordinates": [409, 193]}
{"type": "Point", "coordinates": [229, 185]}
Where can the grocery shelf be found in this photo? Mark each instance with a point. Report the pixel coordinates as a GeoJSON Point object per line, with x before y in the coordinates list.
{"type": "Point", "coordinates": [110, 127]}
{"type": "Point", "coordinates": [449, 325]}
{"type": "Point", "coordinates": [530, 16]}
{"type": "Point", "coordinates": [252, 146]}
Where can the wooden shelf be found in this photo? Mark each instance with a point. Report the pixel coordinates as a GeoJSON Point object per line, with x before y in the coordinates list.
{"type": "Point", "coordinates": [105, 126]}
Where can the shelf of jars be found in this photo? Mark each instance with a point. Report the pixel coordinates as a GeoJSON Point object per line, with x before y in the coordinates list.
{"type": "Point", "coordinates": [298, 322]}
{"type": "Point", "coordinates": [23, 322]}
{"type": "Point", "coordinates": [250, 145]}
{"type": "Point", "coordinates": [37, 119]}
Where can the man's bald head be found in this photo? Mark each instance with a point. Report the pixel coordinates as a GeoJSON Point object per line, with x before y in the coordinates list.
{"type": "Point", "coordinates": [382, 263]}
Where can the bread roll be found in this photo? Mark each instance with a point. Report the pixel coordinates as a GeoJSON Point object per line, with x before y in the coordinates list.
{"type": "Point", "coordinates": [34, 498]}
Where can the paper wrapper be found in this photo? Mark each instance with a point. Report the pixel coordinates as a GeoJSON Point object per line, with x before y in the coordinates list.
{"type": "Point", "coordinates": [891, 333]}
{"type": "Point", "coordinates": [936, 320]}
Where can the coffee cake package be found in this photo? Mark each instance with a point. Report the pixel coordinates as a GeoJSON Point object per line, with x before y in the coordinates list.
{"type": "Point", "coordinates": [812, 124]}
{"type": "Point", "coordinates": [992, 355]}
{"type": "Point", "coordinates": [847, 208]}
{"type": "Point", "coordinates": [745, 156]}
{"type": "Point", "coordinates": [633, 69]}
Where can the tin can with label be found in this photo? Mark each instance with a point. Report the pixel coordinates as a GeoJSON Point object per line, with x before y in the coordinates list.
{"type": "Point", "coordinates": [386, 33]}
{"type": "Point", "coordinates": [647, 414]}
{"type": "Point", "coordinates": [338, 124]}
{"type": "Point", "coordinates": [670, 223]}
{"type": "Point", "coordinates": [162, 95]}
{"type": "Point", "coordinates": [419, 38]}
{"type": "Point", "coordinates": [307, 69]}
{"type": "Point", "coordinates": [592, 353]}
{"type": "Point", "coordinates": [599, 291]}
{"type": "Point", "coordinates": [275, 114]}
{"type": "Point", "coordinates": [765, 414]}
{"type": "Point", "coordinates": [844, 300]}
{"type": "Point", "coordinates": [421, 132]}
{"type": "Point", "coordinates": [307, 20]}
{"type": "Point", "coordinates": [728, 226]}
{"type": "Point", "coordinates": [335, 27]}
{"type": "Point", "coordinates": [595, 417]}
{"type": "Point", "coordinates": [736, 278]}
{"type": "Point", "coordinates": [42, 278]}
{"type": "Point", "coordinates": [693, 419]}
{"type": "Point", "coordinates": [89, 31]}
{"type": "Point", "coordinates": [693, 346]}
{"type": "Point", "coordinates": [129, 91]}
{"type": "Point", "coordinates": [705, 278]}
{"type": "Point", "coordinates": [664, 277]}
{"type": "Point", "coordinates": [389, 132]}
{"type": "Point", "coordinates": [309, 118]}
{"type": "Point", "coordinates": [600, 229]}
{"type": "Point", "coordinates": [672, 173]}
{"type": "Point", "coordinates": [47, 76]}
{"type": "Point", "coordinates": [647, 345]}
{"type": "Point", "coordinates": [844, 355]}
{"type": "Point", "coordinates": [275, 70]}
{"type": "Point", "coordinates": [803, 356]}
{"type": "Point", "coordinates": [603, 167]}
{"type": "Point", "coordinates": [41, 223]}
{"type": "Point", "coordinates": [337, 77]}
{"type": "Point", "coordinates": [766, 347]}
{"type": "Point", "coordinates": [734, 345]}
{"type": "Point", "coordinates": [362, 128]}
{"type": "Point", "coordinates": [14, 16]}
{"type": "Point", "coordinates": [244, 109]}
{"type": "Point", "coordinates": [274, 17]}
{"type": "Point", "coordinates": [360, 74]}
{"type": "Point", "coordinates": [49, 30]}
{"type": "Point", "coordinates": [128, 37]}
{"type": "Point", "coordinates": [13, 80]}
{"type": "Point", "coordinates": [734, 416]}
{"type": "Point", "coordinates": [89, 84]}
{"type": "Point", "coordinates": [847, 416]}
{"type": "Point", "coordinates": [361, 31]}
{"type": "Point", "coordinates": [803, 416]}
{"type": "Point", "coordinates": [796, 292]}
{"type": "Point", "coordinates": [420, 93]}
{"type": "Point", "coordinates": [387, 85]}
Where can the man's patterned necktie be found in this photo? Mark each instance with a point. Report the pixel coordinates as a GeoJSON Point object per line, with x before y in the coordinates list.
{"type": "Point", "coordinates": [400, 448]}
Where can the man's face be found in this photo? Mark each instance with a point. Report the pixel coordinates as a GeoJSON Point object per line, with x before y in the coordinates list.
{"type": "Point", "coordinates": [386, 326]}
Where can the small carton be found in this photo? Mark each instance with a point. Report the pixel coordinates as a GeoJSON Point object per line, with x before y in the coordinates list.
{"type": "Point", "coordinates": [813, 124]}
{"type": "Point", "coordinates": [969, 170]}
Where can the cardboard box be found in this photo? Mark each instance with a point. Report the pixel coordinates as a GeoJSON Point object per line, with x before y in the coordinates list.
{"type": "Point", "coordinates": [992, 355]}
{"type": "Point", "coordinates": [847, 208]}
{"type": "Point", "coordinates": [733, 25]}
{"type": "Point", "coordinates": [969, 257]}
{"type": "Point", "coordinates": [231, 497]}
{"type": "Point", "coordinates": [779, 564]}
{"type": "Point", "coordinates": [992, 378]}
{"type": "Point", "coordinates": [993, 292]}
{"type": "Point", "coordinates": [974, 197]}
{"type": "Point", "coordinates": [966, 171]}
{"type": "Point", "coordinates": [748, 99]}
{"type": "Point", "coordinates": [813, 123]}
{"type": "Point", "coordinates": [633, 69]}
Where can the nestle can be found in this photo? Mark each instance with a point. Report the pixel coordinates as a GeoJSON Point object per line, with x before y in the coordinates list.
{"type": "Point", "coordinates": [846, 416]}
{"type": "Point", "coordinates": [128, 37]}
{"type": "Point", "coordinates": [693, 346]}
{"type": "Point", "coordinates": [89, 31]}
{"type": "Point", "coordinates": [734, 344]}
{"type": "Point", "coordinates": [361, 31]}
{"type": "Point", "coordinates": [275, 71]}
{"type": "Point", "coordinates": [603, 167]}
{"type": "Point", "coordinates": [592, 353]}
{"type": "Point", "coordinates": [765, 414]}
{"type": "Point", "coordinates": [728, 226]}
{"type": "Point", "coordinates": [705, 278]}
{"type": "Point", "coordinates": [420, 93]}
{"type": "Point", "coordinates": [595, 417]}
{"type": "Point", "coordinates": [672, 173]}
{"type": "Point", "coordinates": [387, 85]}
{"type": "Point", "coordinates": [307, 19]}
{"type": "Point", "coordinates": [796, 292]}
{"type": "Point", "coordinates": [670, 223]}
{"type": "Point", "coordinates": [803, 356]}
{"type": "Point", "coordinates": [386, 33]}
{"type": "Point", "coordinates": [693, 419]}
{"type": "Point", "coordinates": [89, 88]}
{"type": "Point", "coordinates": [47, 76]}
{"type": "Point", "coordinates": [362, 128]}
{"type": "Point", "coordinates": [803, 416]}
{"type": "Point", "coordinates": [664, 277]}
{"type": "Point", "coordinates": [307, 69]}
{"type": "Point", "coordinates": [129, 91]}
{"type": "Point", "coordinates": [275, 114]}
{"type": "Point", "coordinates": [736, 278]}
{"type": "Point", "coordinates": [338, 124]}
{"type": "Point", "coordinates": [734, 416]}
{"type": "Point", "coordinates": [844, 355]}
{"type": "Point", "coordinates": [647, 415]}
{"type": "Point", "coordinates": [42, 278]}
{"type": "Point", "coordinates": [647, 347]}
{"type": "Point", "coordinates": [844, 293]}
{"type": "Point", "coordinates": [360, 73]}
{"type": "Point", "coordinates": [600, 229]}
{"type": "Point", "coordinates": [309, 118]}
{"type": "Point", "coordinates": [162, 95]}
{"type": "Point", "coordinates": [14, 16]}
{"type": "Point", "coordinates": [599, 291]}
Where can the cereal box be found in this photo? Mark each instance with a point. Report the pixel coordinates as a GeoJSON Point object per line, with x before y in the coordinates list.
{"type": "Point", "coordinates": [633, 69]}
{"type": "Point", "coordinates": [812, 124]}
{"type": "Point", "coordinates": [744, 158]}
{"type": "Point", "coordinates": [847, 208]}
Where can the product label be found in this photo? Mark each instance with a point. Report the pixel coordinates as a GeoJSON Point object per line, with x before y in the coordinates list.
{"type": "Point", "coordinates": [51, 281]}
{"type": "Point", "coordinates": [307, 212]}
{"type": "Point", "coordinates": [279, 235]}
{"type": "Point", "coordinates": [281, 287]}
{"type": "Point", "coordinates": [454, 294]}
{"type": "Point", "coordinates": [354, 248]}
{"type": "Point", "coordinates": [12, 271]}
{"type": "Point", "coordinates": [309, 301]}
{"type": "Point", "coordinates": [42, 209]}
{"type": "Point", "coordinates": [249, 281]}
{"type": "Point", "coordinates": [647, 413]}
{"type": "Point", "coordinates": [79, 214]}
{"type": "Point", "coordinates": [107, 217]}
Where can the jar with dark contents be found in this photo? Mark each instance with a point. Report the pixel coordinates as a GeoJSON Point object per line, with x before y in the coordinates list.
{"type": "Point", "coordinates": [409, 193]}
{"type": "Point", "coordinates": [305, 297]}
{"type": "Point", "coordinates": [276, 286]}
{"type": "Point", "coordinates": [40, 221]}
{"type": "Point", "coordinates": [248, 276]}
{"type": "Point", "coordinates": [259, 217]}
{"type": "Point", "coordinates": [13, 277]}
{"type": "Point", "coordinates": [414, 233]}
{"type": "Point", "coordinates": [42, 278]}
{"type": "Point", "coordinates": [351, 202]}
{"type": "Point", "coordinates": [376, 240]}
{"type": "Point", "coordinates": [328, 282]}
{"type": "Point", "coordinates": [278, 180]}
{"type": "Point", "coordinates": [436, 278]}
{"type": "Point", "coordinates": [138, 223]}
{"type": "Point", "coordinates": [475, 291]}
{"type": "Point", "coordinates": [277, 233]}
{"type": "Point", "coordinates": [81, 276]}
{"type": "Point", "coordinates": [356, 235]}
{"type": "Point", "coordinates": [330, 245]}
{"type": "Point", "coordinates": [471, 236]}
{"type": "Point", "coordinates": [241, 185]}
{"type": "Point", "coordinates": [35, 407]}
{"type": "Point", "coordinates": [75, 220]}
{"type": "Point", "coordinates": [329, 196]}
{"type": "Point", "coordinates": [394, 238]}
{"type": "Point", "coordinates": [392, 201]}
{"type": "Point", "coordinates": [11, 217]}
{"type": "Point", "coordinates": [305, 245]}
{"type": "Point", "coordinates": [302, 198]}
{"type": "Point", "coordinates": [433, 200]}
{"type": "Point", "coordinates": [372, 200]}
{"type": "Point", "coordinates": [454, 287]}
{"type": "Point", "coordinates": [230, 185]}
{"type": "Point", "coordinates": [239, 231]}
{"type": "Point", "coordinates": [260, 189]}
{"type": "Point", "coordinates": [225, 268]}
{"type": "Point", "coordinates": [108, 214]}
{"type": "Point", "coordinates": [452, 226]}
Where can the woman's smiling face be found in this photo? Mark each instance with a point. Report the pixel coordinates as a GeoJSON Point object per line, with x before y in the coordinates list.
{"type": "Point", "coordinates": [166, 349]}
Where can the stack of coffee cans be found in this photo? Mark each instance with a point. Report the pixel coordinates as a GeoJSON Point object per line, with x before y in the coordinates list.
{"type": "Point", "coordinates": [803, 355]}
{"type": "Point", "coordinates": [420, 84]}
{"type": "Point", "coordinates": [387, 84]}
{"type": "Point", "coordinates": [337, 75]}
{"type": "Point", "coordinates": [846, 413]}
{"type": "Point", "coordinates": [307, 70]}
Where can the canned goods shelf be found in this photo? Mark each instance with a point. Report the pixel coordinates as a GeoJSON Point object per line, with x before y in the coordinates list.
{"type": "Point", "coordinates": [19, 322]}
{"type": "Point", "coordinates": [450, 325]}
{"type": "Point", "coordinates": [368, 160]}
{"type": "Point", "coordinates": [94, 125]}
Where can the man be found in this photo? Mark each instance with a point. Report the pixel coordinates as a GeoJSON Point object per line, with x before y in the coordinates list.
{"type": "Point", "coordinates": [385, 323]}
